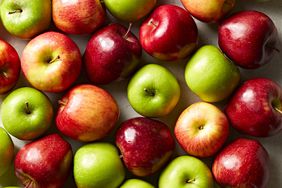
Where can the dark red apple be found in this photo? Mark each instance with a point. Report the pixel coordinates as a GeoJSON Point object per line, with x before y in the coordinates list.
{"type": "Point", "coordinates": [44, 163]}
{"type": "Point", "coordinates": [249, 38]}
{"type": "Point", "coordinates": [145, 144]}
{"type": "Point", "coordinates": [256, 108]}
{"type": "Point", "coordinates": [111, 53]}
{"type": "Point", "coordinates": [243, 163]}
{"type": "Point", "coordinates": [169, 33]}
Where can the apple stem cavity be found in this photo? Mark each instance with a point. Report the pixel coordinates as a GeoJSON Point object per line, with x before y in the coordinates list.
{"type": "Point", "coordinates": [27, 108]}
{"type": "Point", "coordinates": [16, 11]}
{"type": "Point", "coordinates": [152, 23]}
{"type": "Point", "coordinates": [190, 181]}
{"type": "Point", "coordinates": [54, 59]}
{"type": "Point", "coordinates": [150, 92]}
{"type": "Point", "coordinates": [201, 127]}
{"type": "Point", "coordinates": [128, 30]}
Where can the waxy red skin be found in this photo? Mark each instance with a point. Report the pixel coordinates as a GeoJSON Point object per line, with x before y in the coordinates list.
{"type": "Point", "coordinates": [169, 33]}
{"type": "Point", "coordinates": [243, 163]}
{"type": "Point", "coordinates": [9, 67]}
{"type": "Point", "coordinates": [44, 163]}
{"type": "Point", "coordinates": [251, 109]}
{"type": "Point", "coordinates": [111, 53]}
{"type": "Point", "coordinates": [145, 144]}
{"type": "Point", "coordinates": [249, 38]}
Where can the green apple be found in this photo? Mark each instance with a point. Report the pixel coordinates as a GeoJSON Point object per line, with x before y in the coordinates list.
{"type": "Point", "coordinates": [26, 113]}
{"type": "Point", "coordinates": [130, 10]}
{"type": "Point", "coordinates": [186, 172]}
{"type": "Point", "coordinates": [153, 91]}
{"type": "Point", "coordinates": [6, 151]}
{"type": "Point", "coordinates": [12, 187]}
{"type": "Point", "coordinates": [136, 183]}
{"type": "Point", "coordinates": [98, 165]}
{"type": "Point", "coordinates": [26, 18]}
{"type": "Point", "coordinates": [210, 75]}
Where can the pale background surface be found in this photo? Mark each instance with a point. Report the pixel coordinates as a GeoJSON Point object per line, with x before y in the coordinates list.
{"type": "Point", "coordinates": [208, 35]}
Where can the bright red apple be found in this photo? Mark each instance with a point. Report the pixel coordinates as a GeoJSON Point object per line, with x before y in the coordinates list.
{"type": "Point", "coordinates": [169, 33]}
{"type": "Point", "coordinates": [145, 144]}
{"type": "Point", "coordinates": [44, 163]}
{"type": "Point", "coordinates": [111, 53]}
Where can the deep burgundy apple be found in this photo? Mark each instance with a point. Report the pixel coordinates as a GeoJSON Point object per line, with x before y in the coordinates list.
{"type": "Point", "coordinates": [249, 38]}
{"type": "Point", "coordinates": [169, 33]}
{"type": "Point", "coordinates": [243, 163]}
{"type": "Point", "coordinates": [44, 163]}
{"type": "Point", "coordinates": [9, 67]}
{"type": "Point", "coordinates": [111, 53]}
{"type": "Point", "coordinates": [256, 108]}
{"type": "Point", "coordinates": [145, 144]}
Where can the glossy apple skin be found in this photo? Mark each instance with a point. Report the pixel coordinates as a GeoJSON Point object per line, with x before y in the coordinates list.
{"type": "Point", "coordinates": [87, 113]}
{"type": "Point", "coordinates": [111, 53]}
{"type": "Point", "coordinates": [44, 163]}
{"type": "Point", "coordinates": [201, 129]}
{"type": "Point", "coordinates": [145, 144]}
{"type": "Point", "coordinates": [9, 67]}
{"type": "Point", "coordinates": [78, 17]}
{"type": "Point", "coordinates": [249, 38]}
{"type": "Point", "coordinates": [6, 151]}
{"type": "Point", "coordinates": [243, 163]}
{"type": "Point", "coordinates": [256, 108]}
{"type": "Point", "coordinates": [51, 62]}
{"type": "Point", "coordinates": [208, 11]}
{"type": "Point", "coordinates": [169, 33]}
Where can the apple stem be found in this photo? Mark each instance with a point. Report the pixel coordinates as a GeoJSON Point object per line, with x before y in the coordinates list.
{"type": "Point", "coordinates": [54, 59]}
{"type": "Point", "coordinates": [62, 103]}
{"type": "Point", "coordinates": [151, 22]}
{"type": "Point", "coordinates": [16, 11]}
{"type": "Point", "coordinates": [27, 109]}
{"type": "Point", "coordinates": [128, 30]}
{"type": "Point", "coordinates": [278, 110]}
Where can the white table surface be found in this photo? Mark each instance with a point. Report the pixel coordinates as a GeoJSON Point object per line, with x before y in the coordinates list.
{"type": "Point", "coordinates": [208, 35]}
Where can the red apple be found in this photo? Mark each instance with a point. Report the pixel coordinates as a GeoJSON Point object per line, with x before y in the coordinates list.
{"type": "Point", "coordinates": [9, 67]}
{"type": "Point", "coordinates": [112, 52]}
{"type": "Point", "coordinates": [51, 62]}
{"type": "Point", "coordinates": [249, 38]}
{"type": "Point", "coordinates": [256, 108]}
{"type": "Point", "coordinates": [145, 144]}
{"type": "Point", "coordinates": [243, 163]}
{"type": "Point", "coordinates": [201, 129]}
{"type": "Point", "coordinates": [78, 17]}
{"type": "Point", "coordinates": [169, 33]}
{"type": "Point", "coordinates": [44, 163]}
{"type": "Point", "coordinates": [87, 113]}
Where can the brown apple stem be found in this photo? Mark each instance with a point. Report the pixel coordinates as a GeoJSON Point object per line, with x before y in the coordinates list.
{"type": "Point", "coordinates": [278, 110]}
{"type": "Point", "coordinates": [190, 181]}
{"type": "Point", "coordinates": [54, 59]}
{"type": "Point", "coordinates": [120, 156]}
{"type": "Point", "coordinates": [128, 30]}
{"type": "Point", "coordinates": [151, 22]}
{"type": "Point", "coordinates": [62, 103]}
{"type": "Point", "coordinates": [27, 109]}
{"type": "Point", "coordinates": [16, 11]}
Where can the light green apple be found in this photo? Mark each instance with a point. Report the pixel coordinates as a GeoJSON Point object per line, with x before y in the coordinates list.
{"type": "Point", "coordinates": [26, 113]}
{"type": "Point", "coordinates": [26, 18]}
{"type": "Point", "coordinates": [98, 165]}
{"type": "Point", "coordinates": [6, 151]}
{"type": "Point", "coordinates": [136, 183]}
{"type": "Point", "coordinates": [12, 187]}
{"type": "Point", "coordinates": [130, 10]}
{"type": "Point", "coordinates": [210, 75]}
{"type": "Point", "coordinates": [153, 91]}
{"type": "Point", "coordinates": [186, 172]}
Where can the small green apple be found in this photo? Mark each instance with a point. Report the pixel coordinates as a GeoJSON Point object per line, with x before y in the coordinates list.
{"type": "Point", "coordinates": [98, 165]}
{"type": "Point", "coordinates": [186, 172]}
{"type": "Point", "coordinates": [12, 187]}
{"type": "Point", "coordinates": [210, 75]}
{"type": "Point", "coordinates": [153, 91]}
{"type": "Point", "coordinates": [6, 151]}
{"type": "Point", "coordinates": [136, 183]}
{"type": "Point", "coordinates": [26, 113]}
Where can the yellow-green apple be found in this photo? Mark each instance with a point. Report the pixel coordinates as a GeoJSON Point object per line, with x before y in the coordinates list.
{"type": "Point", "coordinates": [79, 16]}
{"type": "Point", "coordinates": [210, 75]}
{"type": "Point", "coordinates": [256, 108]}
{"type": "Point", "coordinates": [209, 10]}
{"type": "Point", "coordinates": [153, 91]}
{"type": "Point", "coordinates": [136, 183]}
{"type": "Point", "coordinates": [201, 129]}
{"type": "Point", "coordinates": [112, 52]}
{"type": "Point", "coordinates": [25, 18]}
{"type": "Point", "coordinates": [9, 67]}
{"type": "Point", "coordinates": [98, 165]}
{"type": "Point", "coordinates": [145, 144]}
{"type": "Point", "coordinates": [51, 62]}
{"type": "Point", "coordinates": [87, 113]}
{"type": "Point", "coordinates": [169, 33]}
{"type": "Point", "coordinates": [243, 163]}
{"type": "Point", "coordinates": [26, 113]}
{"type": "Point", "coordinates": [186, 172]}
{"type": "Point", "coordinates": [129, 10]}
{"type": "Point", "coordinates": [44, 163]}
{"type": "Point", "coordinates": [6, 151]}
{"type": "Point", "coordinates": [249, 38]}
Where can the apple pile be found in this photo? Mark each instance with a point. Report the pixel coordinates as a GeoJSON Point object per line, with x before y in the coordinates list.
{"type": "Point", "coordinates": [115, 151]}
